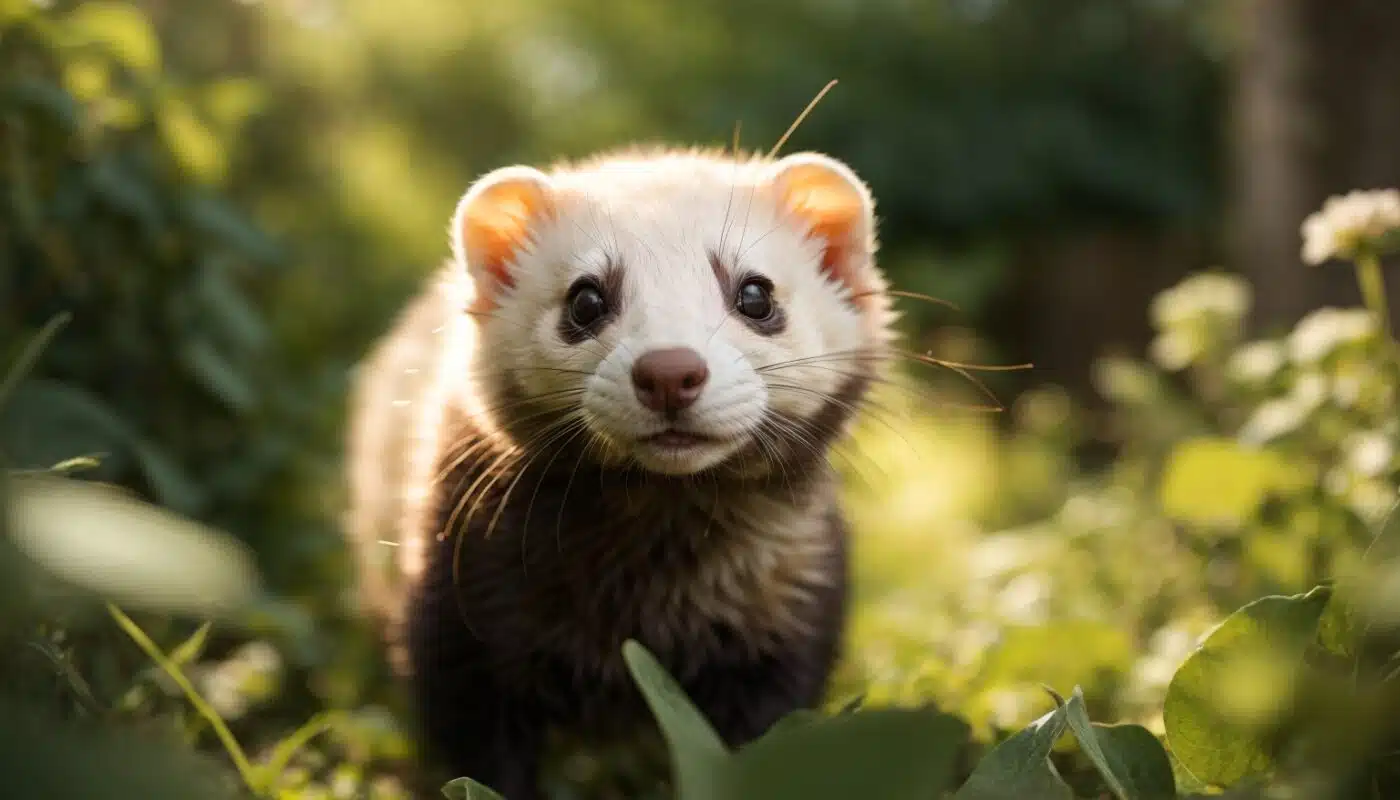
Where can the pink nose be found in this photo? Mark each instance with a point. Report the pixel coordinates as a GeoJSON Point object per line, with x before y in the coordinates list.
{"type": "Point", "coordinates": [669, 380]}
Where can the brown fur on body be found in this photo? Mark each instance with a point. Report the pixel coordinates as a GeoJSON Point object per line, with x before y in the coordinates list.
{"type": "Point", "coordinates": [737, 585]}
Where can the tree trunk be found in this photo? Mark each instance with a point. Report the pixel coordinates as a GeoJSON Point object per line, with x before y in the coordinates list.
{"type": "Point", "coordinates": [1315, 115]}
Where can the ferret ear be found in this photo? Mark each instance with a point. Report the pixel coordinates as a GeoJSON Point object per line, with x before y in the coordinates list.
{"type": "Point", "coordinates": [494, 220]}
{"type": "Point", "coordinates": [837, 209]}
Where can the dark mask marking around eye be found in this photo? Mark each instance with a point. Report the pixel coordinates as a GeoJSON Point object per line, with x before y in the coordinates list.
{"type": "Point", "coordinates": [749, 296]}
{"type": "Point", "coordinates": [590, 303]}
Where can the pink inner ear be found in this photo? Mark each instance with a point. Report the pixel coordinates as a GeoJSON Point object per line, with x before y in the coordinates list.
{"type": "Point", "coordinates": [837, 250]}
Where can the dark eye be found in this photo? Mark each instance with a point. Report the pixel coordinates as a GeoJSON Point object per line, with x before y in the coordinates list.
{"type": "Point", "coordinates": [586, 304]}
{"type": "Point", "coordinates": [755, 299]}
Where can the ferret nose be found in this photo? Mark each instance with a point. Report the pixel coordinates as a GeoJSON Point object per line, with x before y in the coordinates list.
{"type": "Point", "coordinates": [669, 380]}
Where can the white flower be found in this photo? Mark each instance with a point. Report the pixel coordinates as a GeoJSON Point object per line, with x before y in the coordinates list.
{"type": "Point", "coordinates": [1370, 454]}
{"type": "Point", "coordinates": [1256, 362]}
{"type": "Point", "coordinates": [1205, 293]}
{"type": "Point", "coordinates": [1023, 601]}
{"type": "Point", "coordinates": [1272, 420]}
{"type": "Point", "coordinates": [1321, 332]}
{"type": "Point", "coordinates": [1346, 390]}
{"type": "Point", "coordinates": [1348, 222]}
{"type": "Point", "coordinates": [259, 656]}
{"type": "Point", "coordinates": [1174, 350]}
{"type": "Point", "coordinates": [1310, 392]}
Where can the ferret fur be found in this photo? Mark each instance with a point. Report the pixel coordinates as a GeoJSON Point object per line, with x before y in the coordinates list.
{"type": "Point", "coordinates": [509, 563]}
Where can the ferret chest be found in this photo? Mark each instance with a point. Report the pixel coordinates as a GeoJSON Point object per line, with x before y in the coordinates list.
{"type": "Point", "coordinates": [685, 578]}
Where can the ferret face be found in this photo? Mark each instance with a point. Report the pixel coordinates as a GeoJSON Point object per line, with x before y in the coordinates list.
{"type": "Point", "coordinates": [676, 312]}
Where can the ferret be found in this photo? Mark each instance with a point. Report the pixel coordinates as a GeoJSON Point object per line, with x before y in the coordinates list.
{"type": "Point", "coordinates": [608, 417]}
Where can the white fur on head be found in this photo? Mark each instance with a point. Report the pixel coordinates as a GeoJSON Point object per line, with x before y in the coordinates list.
{"type": "Point", "coordinates": [653, 226]}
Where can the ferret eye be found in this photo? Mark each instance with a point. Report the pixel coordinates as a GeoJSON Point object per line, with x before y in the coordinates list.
{"type": "Point", "coordinates": [755, 299]}
{"type": "Point", "coordinates": [586, 304]}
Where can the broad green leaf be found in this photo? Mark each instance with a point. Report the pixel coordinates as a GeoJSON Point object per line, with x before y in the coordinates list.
{"type": "Point", "coordinates": [1218, 482]}
{"type": "Point", "coordinates": [1226, 695]}
{"type": "Point", "coordinates": [796, 719]}
{"type": "Point", "coordinates": [41, 756]}
{"type": "Point", "coordinates": [130, 552]}
{"type": "Point", "coordinates": [697, 752]}
{"type": "Point", "coordinates": [468, 789]}
{"type": "Point", "coordinates": [1020, 766]}
{"type": "Point", "coordinates": [1130, 759]}
{"type": "Point", "coordinates": [887, 753]}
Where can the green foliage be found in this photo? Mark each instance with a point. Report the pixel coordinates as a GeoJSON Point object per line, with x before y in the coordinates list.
{"type": "Point", "coordinates": [468, 789]}
{"type": "Point", "coordinates": [154, 160]}
{"type": "Point", "coordinates": [1223, 699]}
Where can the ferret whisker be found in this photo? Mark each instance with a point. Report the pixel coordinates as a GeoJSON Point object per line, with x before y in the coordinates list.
{"type": "Point", "coordinates": [837, 401]}
{"type": "Point", "coordinates": [801, 436]}
{"type": "Point", "coordinates": [566, 433]}
{"type": "Point", "coordinates": [774, 456]}
{"type": "Point", "coordinates": [524, 451]}
{"type": "Point", "coordinates": [962, 369]}
{"type": "Point", "coordinates": [593, 440]}
{"type": "Point", "coordinates": [471, 497]}
{"type": "Point", "coordinates": [489, 473]}
{"type": "Point", "coordinates": [910, 389]}
{"type": "Point", "coordinates": [927, 298]}
{"type": "Point", "coordinates": [496, 437]}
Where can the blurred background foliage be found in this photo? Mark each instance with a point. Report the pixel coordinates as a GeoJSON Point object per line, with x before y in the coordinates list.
{"type": "Point", "coordinates": [232, 198]}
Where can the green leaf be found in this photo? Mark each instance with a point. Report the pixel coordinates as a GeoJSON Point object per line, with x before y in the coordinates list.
{"type": "Point", "coordinates": [1130, 759]}
{"type": "Point", "coordinates": [20, 370]}
{"type": "Point", "coordinates": [697, 752]}
{"type": "Point", "coordinates": [190, 649]}
{"type": "Point", "coordinates": [468, 789]}
{"type": "Point", "coordinates": [121, 28]}
{"type": "Point", "coordinates": [218, 374]}
{"type": "Point", "coordinates": [1020, 766]}
{"type": "Point", "coordinates": [1214, 481]}
{"type": "Point", "coordinates": [42, 756]}
{"type": "Point", "coordinates": [48, 422]}
{"type": "Point", "coordinates": [60, 107]}
{"type": "Point", "coordinates": [1226, 696]}
{"type": "Point", "coordinates": [116, 183]}
{"type": "Point", "coordinates": [796, 719]}
{"type": "Point", "coordinates": [1336, 627]}
{"type": "Point", "coordinates": [238, 321]}
{"type": "Point", "coordinates": [885, 753]}
{"type": "Point", "coordinates": [216, 217]}
{"type": "Point", "coordinates": [190, 141]}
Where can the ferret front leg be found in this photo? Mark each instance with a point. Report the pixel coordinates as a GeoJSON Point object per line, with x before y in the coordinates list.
{"type": "Point", "coordinates": [470, 725]}
{"type": "Point", "coordinates": [742, 701]}
{"type": "Point", "coordinates": [473, 729]}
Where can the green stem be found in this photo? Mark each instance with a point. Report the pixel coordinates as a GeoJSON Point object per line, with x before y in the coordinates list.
{"type": "Point", "coordinates": [235, 751]}
{"type": "Point", "coordinates": [1368, 274]}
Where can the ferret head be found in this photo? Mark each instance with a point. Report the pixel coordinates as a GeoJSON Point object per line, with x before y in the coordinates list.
{"type": "Point", "coordinates": [678, 312]}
